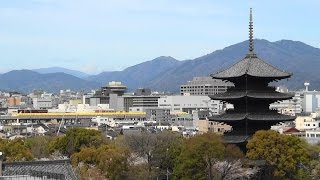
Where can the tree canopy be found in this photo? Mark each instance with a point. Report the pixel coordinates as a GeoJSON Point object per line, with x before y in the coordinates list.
{"type": "Point", "coordinates": [283, 153]}
{"type": "Point", "coordinates": [108, 160]}
{"type": "Point", "coordinates": [15, 150]}
{"type": "Point", "coordinates": [75, 139]}
{"type": "Point", "coordinates": [198, 155]}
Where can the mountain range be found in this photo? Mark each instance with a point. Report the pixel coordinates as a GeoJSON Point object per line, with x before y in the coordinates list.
{"type": "Point", "coordinates": [27, 81]}
{"type": "Point", "coordinates": [75, 73]}
{"type": "Point", "coordinates": [167, 74]}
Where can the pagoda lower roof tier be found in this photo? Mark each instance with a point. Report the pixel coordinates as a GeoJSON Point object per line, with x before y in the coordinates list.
{"type": "Point", "coordinates": [274, 95]}
{"type": "Point", "coordinates": [235, 139]}
{"type": "Point", "coordinates": [251, 116]}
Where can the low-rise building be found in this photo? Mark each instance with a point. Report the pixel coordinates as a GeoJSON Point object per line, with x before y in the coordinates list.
{"type": "Point", "coordinates": [313, 136]}
{"type": "Point", "coordinates": [15, 129]}
{"type": "Point", "coordinates": [37, 170]}
{"type": "Point", "coordinates": [37, 129]}
{"type": "Point", "coordinates": [187, 104]}
{"type": "Point", "coordinates": [301, 119]}
{"type": "Point", "coordinates": [158, 114]}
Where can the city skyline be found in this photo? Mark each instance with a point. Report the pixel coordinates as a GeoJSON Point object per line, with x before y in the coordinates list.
{"type": "Point", "coordinates": [100, 36]}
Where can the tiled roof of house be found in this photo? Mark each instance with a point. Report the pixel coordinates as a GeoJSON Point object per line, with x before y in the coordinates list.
{"type": "Point", "coordinates": [56, 169]}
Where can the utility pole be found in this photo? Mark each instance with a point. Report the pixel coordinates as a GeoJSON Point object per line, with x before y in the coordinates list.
{"type": "Point", "coordinates": [167, 166]}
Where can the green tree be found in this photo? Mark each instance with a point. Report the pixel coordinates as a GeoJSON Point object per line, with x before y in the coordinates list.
{"type": "Point", "coordinates": [315, 169]}
{"type": "Point", "coordinates": [113, 161]}
{"type": "Point", "coordinates": [198, 156]}
{"type": "Point", "coordinates": [283, 154]}
{"type": "Point", "coordinates": [108, 160]}
{"type": "Point", "coordinates": [84, 163]}
{"type": "Point", "coordinates": [39, 146]}
{"type": "Point", "coordinates": [15, 150]}
{"type": "Point", "coordinates": [233, 152]}
{"type": "Point", "coordinates": [87, 155]}
{"type": "Point", "coordinates": [75, 139]}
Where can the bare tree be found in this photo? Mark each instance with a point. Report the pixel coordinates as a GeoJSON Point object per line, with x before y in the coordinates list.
{"type": "Point", "coordinates": [150, 148]}
{"type": "Point", "coordinates": [232, 169]}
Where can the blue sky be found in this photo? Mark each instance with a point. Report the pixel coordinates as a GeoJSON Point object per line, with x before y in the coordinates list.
{"type": "Point", "coordinates": [98, 35]}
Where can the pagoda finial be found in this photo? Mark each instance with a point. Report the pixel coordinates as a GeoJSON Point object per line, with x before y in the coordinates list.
{"type": "Point", "coordinates": [251, 33]}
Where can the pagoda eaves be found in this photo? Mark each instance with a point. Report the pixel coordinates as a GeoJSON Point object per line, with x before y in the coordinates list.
{"type": "Point", "coordinates": [231, 95]}
{"type": "Point", "coordinates": [251, 65]}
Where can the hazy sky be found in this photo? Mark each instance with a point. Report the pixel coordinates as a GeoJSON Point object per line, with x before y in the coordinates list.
{"type": "Point", "coordinates": [97, 35]}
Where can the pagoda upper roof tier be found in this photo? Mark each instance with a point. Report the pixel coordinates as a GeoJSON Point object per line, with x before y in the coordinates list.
{"type": "Point", "coordinates": [267, 116]}
{"type": "Point", "coordinates": [253, 66]}
{"type": "Point", "coordinates": [229, 95]}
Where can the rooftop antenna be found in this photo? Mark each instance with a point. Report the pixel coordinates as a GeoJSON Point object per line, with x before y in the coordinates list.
{"type": "Point", "coordinates": [251, 47]}
{"type": "Point", "coordinates": [306, 84]}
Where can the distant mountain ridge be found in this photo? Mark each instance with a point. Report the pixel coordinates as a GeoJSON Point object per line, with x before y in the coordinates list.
{"type": "Point", "coordinates": [140, 75]}
{"type": "Point", "coordinates": [293, 56]}
{"type": "Point", "coordinates": [167, 74]}
{"type": "Point", "coordinates": [76, 73]}
{"type": "Point", "coordinates": [27, 80]}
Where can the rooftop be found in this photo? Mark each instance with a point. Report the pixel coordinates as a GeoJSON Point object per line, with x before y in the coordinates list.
{"type": "Point", "coordinates": [253, 66]}
{"type": "Point", "coordinates": [252, 94]}
{"type": "Point", "coordinates": [267, 116]}
{"type": "Point", "coordinates": [55, 169]}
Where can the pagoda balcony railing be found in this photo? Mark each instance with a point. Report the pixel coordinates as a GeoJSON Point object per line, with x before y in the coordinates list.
{"type": "Point", "coordinates": [265, 88]}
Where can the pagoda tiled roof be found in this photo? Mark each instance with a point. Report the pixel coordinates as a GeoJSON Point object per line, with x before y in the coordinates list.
{"type": "Point", "coordinates": [270, 117]}
{"type": "Point", "coordinates": [267, 116]}
{"type": "Point", "coordinates": [252, 94]}
{"type": "Point", "coordinates": [235, 139]}
{"type": "Point", "coordinates": [253, 66]}
{"type": "Point", "coordinates": [229, 117]}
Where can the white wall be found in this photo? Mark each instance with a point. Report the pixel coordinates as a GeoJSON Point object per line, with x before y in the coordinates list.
{"type": "Point", "coordinates": [179, 103]}
{"type": "Point", "coordinates": [42, 103]}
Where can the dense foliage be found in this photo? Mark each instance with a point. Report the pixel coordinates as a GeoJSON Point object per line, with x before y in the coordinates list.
{"type": "Point", "coordinates": [198, 156]}
{"type": "Point", "coordinates": [146, 155]}
{"type": "Point", "coordinates": [15, 150]}
{"type": "Point", "coordinates": [75, 139]}
{"type": "Point", "coordinates": [110, 160]}
{"type": "Point", "coordinates": [284, 154]}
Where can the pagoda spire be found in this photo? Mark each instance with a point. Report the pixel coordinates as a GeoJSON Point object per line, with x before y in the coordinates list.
{"type": "Point", "coordinates": [251, 47]}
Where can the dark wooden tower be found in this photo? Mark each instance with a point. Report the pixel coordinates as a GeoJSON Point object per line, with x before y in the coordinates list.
{"type": "Point", "coordinates": [250, 96]}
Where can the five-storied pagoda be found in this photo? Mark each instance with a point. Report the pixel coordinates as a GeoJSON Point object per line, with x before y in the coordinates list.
{"type": "Point", "coordinates": [250, 96]}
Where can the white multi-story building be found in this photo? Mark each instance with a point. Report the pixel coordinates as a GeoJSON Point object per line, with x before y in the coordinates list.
{"type": "Point", "coordinates": [310, 101]}
{"type": "Point", "coordinates": [304, 101]}
{"type": "Point", "coordinates": [189, 103]}
{"type": "Point", "coordinates": [204, 86]}
{"type": "Point", "coordinates": [142, 103]}
{"type": "Point", "coordinates": [289, 107]}
{"type": "Point", "coordinates": [42, 103]}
